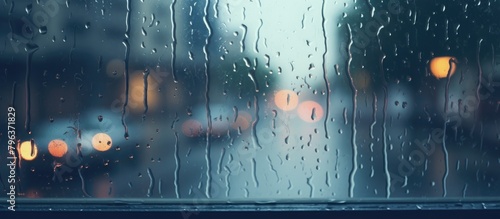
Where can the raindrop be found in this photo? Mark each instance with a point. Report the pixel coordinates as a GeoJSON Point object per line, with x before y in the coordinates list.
{"type": "Point", "coordinates": [151, 182]}
{"type": "Point", "coordinates": [28, 8]}
{"type": "Point", "coordinates": [313, 114]}
{"type": "Point", "coordinates": [43, 30]}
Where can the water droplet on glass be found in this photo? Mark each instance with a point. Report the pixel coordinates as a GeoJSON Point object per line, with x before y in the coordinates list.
{"type": "Point", "coordinates": [43, 30]}
{"type": "Point", "coordinates": [28, 8]}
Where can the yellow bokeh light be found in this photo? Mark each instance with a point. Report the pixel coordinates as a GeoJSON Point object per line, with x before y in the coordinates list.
{"type": "Point", "coordinates": [136, 95]}
{"type": "Point", "coordinates": [58, 148]}
{"type": "Point", "coordinates": [441, 65]}
{"type": "Point", "coordinates": [102, 142]}
{"type": "Point", "coordinates": [286, 100]}
{"type": "Point", "coordinates": [310, 111]}
{"type": "Point", "coordinates": [26, 152]}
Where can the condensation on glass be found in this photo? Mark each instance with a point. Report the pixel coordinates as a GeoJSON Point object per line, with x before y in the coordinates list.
{"type": "Point", "coordinates": [251, 100]}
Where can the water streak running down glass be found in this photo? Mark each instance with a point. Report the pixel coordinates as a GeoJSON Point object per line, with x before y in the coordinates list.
{"type": "Point", "coordinates": [251, 101]}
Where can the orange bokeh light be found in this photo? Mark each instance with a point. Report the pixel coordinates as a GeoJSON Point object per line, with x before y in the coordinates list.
{"type": "Point", "coordinates": [191, 128]}
{"type": "Point", "coordinates": [102, 187]}
{"type": "Point", "coordinates": [441, 65]}
{"type": "Point", "coordinates": [243, 121]}
{"type": "Point", "coordinates": [58, 148]}
{"type": "Point", "coordinates": [102, 142]}
{"type": "Point", "coordinates": [310, 111]}
{"type": "Point", "coordinates": [286, 100]}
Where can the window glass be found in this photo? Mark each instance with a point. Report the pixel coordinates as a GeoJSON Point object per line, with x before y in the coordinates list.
{"type": "Point", "coordinates": [249, 101]}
